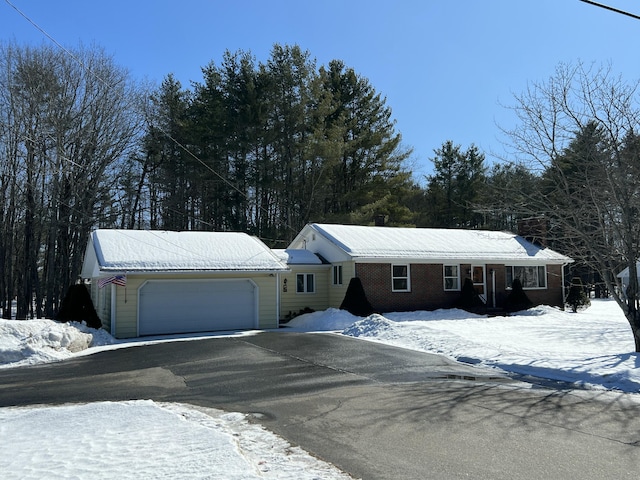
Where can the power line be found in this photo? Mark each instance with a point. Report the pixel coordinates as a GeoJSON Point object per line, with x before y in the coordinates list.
{"type": "Point", "coordinates": [53, 40]}
{"type": "Point", "coordinates": [607, 7]}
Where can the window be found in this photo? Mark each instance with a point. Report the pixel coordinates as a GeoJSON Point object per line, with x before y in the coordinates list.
{"type": "Point", "coordinates": [305, 283]}
{"type": "Point", "coordinates": [530, 276]}
{"type": "Point", "coordinates": [337, 274]}
{"type": "Point", "coordinates": [400, 278]}
{"type": "Point", "coordinates": [451, 277]}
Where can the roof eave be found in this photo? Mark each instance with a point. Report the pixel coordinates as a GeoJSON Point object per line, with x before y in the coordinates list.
{"type": "Point", "coordinates": [206, 271]}
{"type": "Point", "coordinates": [447, 260]}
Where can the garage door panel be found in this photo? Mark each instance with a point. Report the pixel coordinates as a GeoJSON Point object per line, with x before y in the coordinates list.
{"type": "Point", "coordinates": [196, 306]}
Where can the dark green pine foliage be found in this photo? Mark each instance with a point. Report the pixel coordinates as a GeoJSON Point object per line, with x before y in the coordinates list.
{"type": "Point", "coordinates": [173, 177]}
{"type": "Point", "coordinates": [272, 146]}
{"type": "Point", "coordinates": [570, 184]}
{"type": "Point", "coordinates": [577, 298]}
{"type": "Point", "coordinates": [505, 198]}
{"type": "Point", "coordinates": [517, 299]}
{"type": "Point", "coordinates": [243, 116]}
{"type": "Point", "coordinates": [366, 158]}
{"type": "Point", "coordinates": [209, 137]}
{"type": "Point", "coordinates": [455, 188]}
{"type": "Point", "coordinates": [288, 96]}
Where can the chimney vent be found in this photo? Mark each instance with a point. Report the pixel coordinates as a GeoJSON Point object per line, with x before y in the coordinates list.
{"type": "Point", "coordinates": [535, 230]}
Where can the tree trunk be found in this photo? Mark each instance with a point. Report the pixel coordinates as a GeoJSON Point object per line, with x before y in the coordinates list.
{"type": "Point", "coordinates": [634, 321]}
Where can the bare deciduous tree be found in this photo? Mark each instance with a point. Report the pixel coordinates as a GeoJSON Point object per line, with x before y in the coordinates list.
{"type": "Point", "coordinates": [65, 119]}
{"type": "Point", "coordinates": [579, 132]}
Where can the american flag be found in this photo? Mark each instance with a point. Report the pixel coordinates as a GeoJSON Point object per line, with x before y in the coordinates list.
{"type": "Point", "coordinates": [115, 279]}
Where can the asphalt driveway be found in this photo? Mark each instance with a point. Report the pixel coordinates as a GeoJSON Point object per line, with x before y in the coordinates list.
{"type": "Point", "coordinates": [373, 410]}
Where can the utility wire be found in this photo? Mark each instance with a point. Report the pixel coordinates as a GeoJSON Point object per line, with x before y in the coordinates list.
{"type": "Point", "coordinates": [607, 7]}
{"type": "Point", "coordinates": [54, 41]}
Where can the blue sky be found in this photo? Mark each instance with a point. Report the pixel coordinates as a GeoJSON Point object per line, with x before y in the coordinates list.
{"type": "Point", "coordinates": [446, 67]}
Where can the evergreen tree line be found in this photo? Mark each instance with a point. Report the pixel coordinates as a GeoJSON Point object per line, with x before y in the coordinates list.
{"type": "Point", "coordinates": [263, 148]}
{"type": "Point", "coordinates": [268, 147]}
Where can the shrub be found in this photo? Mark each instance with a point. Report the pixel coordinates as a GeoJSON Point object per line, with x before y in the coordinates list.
{"type": "Point", "coordinates": [577, 298]}
{"type": "Point", "coordinates": [78, 307]}
{"type": "Point", "coordinates": [517, 299]}
{"type": "Point", "coordinates": [355, 300]}
{"type": "Point", "coordinates": [469, 299]}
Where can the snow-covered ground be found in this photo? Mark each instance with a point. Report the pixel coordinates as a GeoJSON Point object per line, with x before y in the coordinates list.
{"type": "Point", "coordinates": [593, 348]}
{"type": "Point", "coordinates": [145, 439]}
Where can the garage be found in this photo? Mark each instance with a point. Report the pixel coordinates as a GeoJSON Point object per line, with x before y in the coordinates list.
{"type": "Point", "coordinates": [182, 282]}
{"type": "Point", "coordinates": [186, 306]}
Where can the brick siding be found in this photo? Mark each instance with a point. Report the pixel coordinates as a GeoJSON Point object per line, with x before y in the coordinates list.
{"type": "Point", "coordinates": [427, 287]}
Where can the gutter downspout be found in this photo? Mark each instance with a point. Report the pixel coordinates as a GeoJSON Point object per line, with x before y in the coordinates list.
{"type": "Point", "coordinates": [493, 287]}
{"type": "Point", "coordinates": [278, 300]}
{"type": "Point", "coordinates": [563, 289]}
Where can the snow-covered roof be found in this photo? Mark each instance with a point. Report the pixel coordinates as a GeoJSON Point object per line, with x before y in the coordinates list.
{"type": "Point", "coordinates": [435, 244]}
{"type": "Point", "coordinates": [292, 256]}
{"type": "Point", "coordinates": [624, 274]}
{"type": "Point", "coordinates": [154, 250]}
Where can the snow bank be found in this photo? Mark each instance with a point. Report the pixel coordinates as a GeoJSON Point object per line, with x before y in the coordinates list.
{"type": "Point", "coordinates": [327, 320]}
{"type": "Point", "coordinates": [28, 342]}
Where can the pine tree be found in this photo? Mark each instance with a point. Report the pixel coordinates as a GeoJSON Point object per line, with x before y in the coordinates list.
{"type": "Point", "coordinates": [454, 189]}
{"type": "Point", "coordinates": [173, 172]}
{"type": "Point", "coordinates": [577, 298]}
{"type": "Point", "coordinates": [367, 153]}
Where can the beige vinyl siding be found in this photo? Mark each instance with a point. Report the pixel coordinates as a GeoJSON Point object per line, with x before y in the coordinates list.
{"type": "Point", "coordinates": [127, 310]}
{"type": "Point", "coordinates": [93, 291]}
{"type": "Point", "coordinates": [267, 301]}
{"type": "Point", "coordinates": [127, 307]}
{"type": "Point", "coordinates": [337, 292]}
{"type": "Point", "coordinates": [104, 300]}
{"type": "Point", "coordinates": [101, 298]}
{"type": "Point", "coordinates": [291, 302]}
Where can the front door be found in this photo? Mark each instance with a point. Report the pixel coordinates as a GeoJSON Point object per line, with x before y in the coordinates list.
{"type": "Point", "coordinates": [479, 281]}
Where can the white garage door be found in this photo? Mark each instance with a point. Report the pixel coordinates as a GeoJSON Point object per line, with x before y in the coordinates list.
{"type": "Point", "coordinates": [196, 306]}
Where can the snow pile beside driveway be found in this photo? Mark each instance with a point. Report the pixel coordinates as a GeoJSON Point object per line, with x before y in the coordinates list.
{"type": "Point", "coordinates": [145, 439]}
{"type": "Point", "coordinates": [592, 348]}
{"type": "Point", "coordinates": [331, 319]}
{"type": "Point", "coordinates": [28, 342]}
